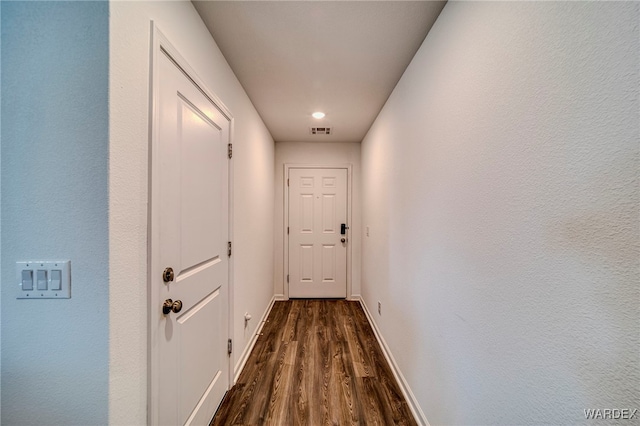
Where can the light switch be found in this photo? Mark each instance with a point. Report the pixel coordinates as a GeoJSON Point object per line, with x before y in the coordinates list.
{"type": "Point", "coordinates": [27, 280]}
{"type": "Point", "coordinates": [42, 279]}
{"type": "Point", "coordinates": [56, 279]}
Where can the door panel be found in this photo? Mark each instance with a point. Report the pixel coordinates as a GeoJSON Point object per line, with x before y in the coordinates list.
{"type": "Point", "coordinates": [317, 257]}
{"type": "Point", "coordinates": [329, 213]}
{"type": "Point", "coordinates": [328, 263]}
{"type": "Point", "coordinates": [306, 213]}
{"type": "Point", "coordinates": [199, 216]}
{"type": "Point", "coordinates": [200, 369]}
{"type": "Point", "coordinates": [190, 233]}
{"type": "Point", "coordinates": [306, 263]}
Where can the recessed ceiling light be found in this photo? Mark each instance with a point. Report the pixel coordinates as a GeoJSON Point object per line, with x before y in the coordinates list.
{"type": "Point", "coordinates": [318, 115]}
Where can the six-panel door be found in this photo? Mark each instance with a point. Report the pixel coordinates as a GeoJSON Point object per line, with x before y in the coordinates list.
{"type": "Point", "coordinates": [317, 254]}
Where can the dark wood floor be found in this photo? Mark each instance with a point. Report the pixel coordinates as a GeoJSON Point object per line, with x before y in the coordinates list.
{"type": "Point", "coordinates": [317, 362]}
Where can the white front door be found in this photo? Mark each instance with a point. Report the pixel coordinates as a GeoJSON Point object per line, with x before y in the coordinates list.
{"type": "Point", "coordinates": [189, 234]}
{"type": "Point", "coordinates": [317, 248]}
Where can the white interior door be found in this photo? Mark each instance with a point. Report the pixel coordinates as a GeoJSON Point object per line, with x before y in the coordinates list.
{"type": "Point", "coordinates": [317, 249]}
{"type": "Point", "coordinates": [190, 230]}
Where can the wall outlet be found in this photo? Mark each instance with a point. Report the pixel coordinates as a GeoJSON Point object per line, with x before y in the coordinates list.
{"type": "Point", "coordinates": [379, 308]}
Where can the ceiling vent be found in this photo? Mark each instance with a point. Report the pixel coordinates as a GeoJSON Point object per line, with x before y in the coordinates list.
{"type": "Point", "coordinates": [321, 130]}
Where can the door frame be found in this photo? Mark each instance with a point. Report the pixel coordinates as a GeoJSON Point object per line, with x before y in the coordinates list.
{"type": "Point", "coordinates": [287, 167]}
{"type": "Point", "coordinates": [158, 44]}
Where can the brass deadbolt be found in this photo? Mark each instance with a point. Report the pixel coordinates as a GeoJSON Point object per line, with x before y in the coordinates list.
{"type": "Point", "coordinates": [168, 275]}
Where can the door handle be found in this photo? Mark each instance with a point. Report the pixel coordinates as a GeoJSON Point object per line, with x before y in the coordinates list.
{"type": "Point", "coordinates": [169, 305]}
{"type": "Point", "coordinates": [343, 240]}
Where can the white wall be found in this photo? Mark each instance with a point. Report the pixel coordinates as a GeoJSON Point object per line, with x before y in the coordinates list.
{"type": "Point", "coordinates": [500, 183]}
{"type": "Point", "coordinates": [54, 206]}
{"type": "Point", "coordinates": [317, 153]}
{"type": "Point", "coordinates": [128, 189]}
{"type": "Point", "coordinates": [0, 222]}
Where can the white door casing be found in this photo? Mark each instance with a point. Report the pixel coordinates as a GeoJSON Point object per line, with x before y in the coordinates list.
{"type": "Point", "coordinates": [317, 251]}
{"type": "Point", "coordinates": [189, 229]}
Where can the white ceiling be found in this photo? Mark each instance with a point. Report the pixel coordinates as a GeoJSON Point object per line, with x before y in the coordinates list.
{"type": "Point", "coordinates": [340, 57]}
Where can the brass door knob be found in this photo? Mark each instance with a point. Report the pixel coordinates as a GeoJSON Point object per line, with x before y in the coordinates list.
{"type": "Point", "coordinates": [169, 305]}
{"type": "Point", "coordinates": [343, 240]}
{"type": "Point", "coordinates": [177, 306]}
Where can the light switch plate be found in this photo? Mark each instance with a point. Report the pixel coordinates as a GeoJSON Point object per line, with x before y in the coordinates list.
{"type": "Point", "coordinates": [52, 291]}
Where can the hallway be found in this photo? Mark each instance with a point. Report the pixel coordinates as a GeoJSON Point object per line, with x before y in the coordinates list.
{"type": "Point", "coordinates": [316, 362]}
{"type": "Point", "coordinates": [495, 205]}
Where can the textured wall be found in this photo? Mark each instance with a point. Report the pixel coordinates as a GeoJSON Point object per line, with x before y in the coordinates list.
{"type": "Point", "coordinates": [54, 206]}
{"type": "Point", "coordinates": [0, 219]}
{"type": "Point", "coordinates": [128, 189]}
{"type": "Point", "coordinates": [500, 183]}
{"type": "Point", "coordinates": [317, 153]}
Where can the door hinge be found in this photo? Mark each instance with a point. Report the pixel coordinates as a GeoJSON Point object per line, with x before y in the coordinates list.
{"type": "Point", "coordinates": [287, 277]}
{"type": "Point", "coordinates": [230, 150]}
{"type": "Point", "coordinates": [229, 249]}
{"type": "Point", "coordinates": [287, 182]}
{"type": "Point", "coordinates": [229, 346]}
{"type": "Point", "coordinates": [287, 230]}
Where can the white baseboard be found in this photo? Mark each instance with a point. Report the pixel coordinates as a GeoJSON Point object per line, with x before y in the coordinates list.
{"type": "Point", "coordinates": [417, 412]}
{"type": "Point", "coordinates": [280, 297]}
{"type": "Point", "coordinates": [247, 350]}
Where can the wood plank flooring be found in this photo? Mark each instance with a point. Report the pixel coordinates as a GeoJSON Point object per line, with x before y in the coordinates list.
{"type": "Point", "coordinates": [317, 362]}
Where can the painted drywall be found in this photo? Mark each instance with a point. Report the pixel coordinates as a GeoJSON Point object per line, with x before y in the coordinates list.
{"type": "Point", "coordinates": [0, 219]}
{"type": "Point", "coordinates": [317, 153]}
{"type": "Point", "coordinates": [128, 189]}
{"type": "Point", "coordinates": [500, 185]}
{"type": "Point", "coordinates": [54, 206]}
